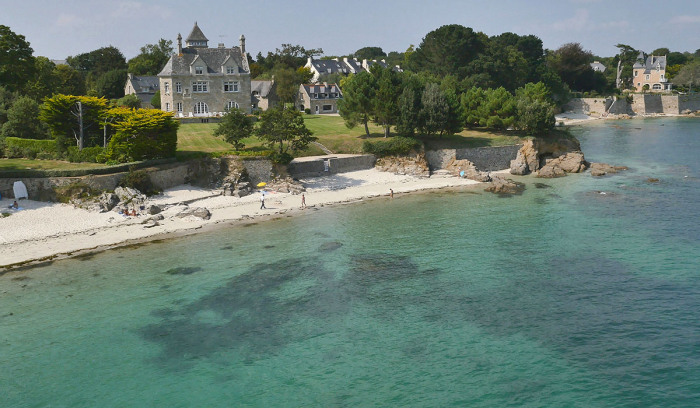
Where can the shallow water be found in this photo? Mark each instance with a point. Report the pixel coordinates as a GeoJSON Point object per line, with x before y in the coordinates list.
{"type": "Point", "coordinates": [560, 297]}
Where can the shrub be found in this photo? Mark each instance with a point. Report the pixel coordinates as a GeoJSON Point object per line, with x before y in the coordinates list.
{"type": "Point", "coordinates": [143, 134]}
{"type": "Point", "coordinates": [395, 146]}
{"type": "Point", "coordinates": [29, 148]}
{"type": "Point", "coordinates": [87, 155]}
{"type": "Point", "coordinates": [281, 158]}
{"type": "Point", "coordinates": [139, 180]}
{"type": "Point", "coordinates": [307, 111]}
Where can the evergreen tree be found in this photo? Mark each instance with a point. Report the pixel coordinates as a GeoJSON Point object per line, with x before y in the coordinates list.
{"type": "Point", "coordinates": [23, 120]}
{"type": "Point", "coordinates": [356, 105]}
{"type": "Point", "coordinates": [434, 111]}
{"type": "Point", "coordinates": [234, 127]}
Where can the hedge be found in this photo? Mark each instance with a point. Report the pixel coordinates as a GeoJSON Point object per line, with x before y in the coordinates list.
{"type": "Point", "coordinates": [87, 155]}
{"type": "Point", "coordinates": [395, 146]}
{"type": "Point", "coordinates": [84, 172]}
{"type": "Point", "coordinates": [30, 148]}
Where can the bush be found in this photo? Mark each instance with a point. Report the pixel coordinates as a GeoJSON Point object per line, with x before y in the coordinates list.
{"type": "Point", "coordinates": [281, 158]}
{"type": "Point", "coordinates": [139, 180]}
{"type": "Point", "coordinates": [143, 134]}
{"type": "Point", "coordinates": [29, 148]}
{"type": "Point", "coordinates": [87, 155]}
{"type": "Point", "coordinates": [395, 146]}
{"type": "Point", "coordinates": [307, 111]}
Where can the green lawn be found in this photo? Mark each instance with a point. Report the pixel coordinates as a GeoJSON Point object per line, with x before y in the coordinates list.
{"type": "Point", "coordinates": [332, 133]}
{"type": "Point", "coordinates": [24, 164]}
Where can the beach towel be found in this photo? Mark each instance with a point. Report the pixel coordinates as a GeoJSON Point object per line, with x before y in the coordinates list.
{"type": "Point", "coordinates": [20, 190]}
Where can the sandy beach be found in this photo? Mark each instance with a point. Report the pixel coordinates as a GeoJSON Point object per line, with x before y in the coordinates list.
{"type": "Point", "coordinates": [46, 231]}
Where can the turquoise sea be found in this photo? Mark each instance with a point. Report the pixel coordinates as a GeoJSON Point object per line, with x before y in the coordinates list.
{"type": "Point", "coordinates": [562, 297]}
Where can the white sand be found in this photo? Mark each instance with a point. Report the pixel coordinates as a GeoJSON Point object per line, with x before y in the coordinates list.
{"type": "Point", "coordinates": [44, 230]}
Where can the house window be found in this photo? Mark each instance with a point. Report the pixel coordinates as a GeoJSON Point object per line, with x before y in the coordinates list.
{"type": "Point", "coordinates": [178, 87]}
{"type": "Point", "coordinates": [635, 73]}
{"type": "Point", "coordinates": [656, 87]}
{"type": "Point", "coordinates": [199, 70]}
{"type": "Point", "coordinates": [231, 105]}
{"type": "Point", "coordinates": [256, 93]}
{"type": "Point", "coordinates": [167, 106]}
{"type": "Point", "coordinates": [179, 106]}
{"type": "Point", "coordinates": [231, 86]}
{"type": "Point", "coordinates": [230, 70]}
{"type": "Point", "coordinates": [201, 86]}
{"type": "Point", "coordinates": [639, 84]}
{"type": "Point", "coordinates": [200, 108]}
{"type": "Point", "coordinates": [647, 77]}
{"type": "Point", "coordinates": [166, 88]}
{"type": "Point", "coordinates": [327, 107]}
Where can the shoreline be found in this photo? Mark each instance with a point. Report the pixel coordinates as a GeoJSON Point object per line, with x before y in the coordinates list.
{"type": "Point", "coordinates": [52, 240]}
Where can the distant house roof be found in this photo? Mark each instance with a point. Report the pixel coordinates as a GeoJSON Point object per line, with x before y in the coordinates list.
{"type": "Point", "coordinates": [330, 66]}
{"type": "Point", "coordinates": [142, 82]}
{"type": "Point", "coordinates": [196, 34]}
{"type": "Point", "coordinates": [652, 62]}
{"type": "Point", "coordinates": [329, 89]}
{"type": "Point", "coordinates": [214, 58]}
{"type": "Point", "coordinates": [261, 87]}
{"type": "Point", "coordinates": [59, 62]}
{"type": "Point", "coordinates": [343, 66]}
{"type": "Point", "coordinates": [597, 66]}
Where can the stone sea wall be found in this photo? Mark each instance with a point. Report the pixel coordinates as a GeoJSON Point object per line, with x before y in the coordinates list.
{"type": "Point", "coordinates": [484, 158]}
{"type": "Point", "coordinates": [316, 168]}
{"type": "Point", "coordinates": [642, 104]}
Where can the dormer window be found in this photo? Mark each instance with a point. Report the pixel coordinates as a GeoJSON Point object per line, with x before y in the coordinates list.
{"type": "Point", "coordinates": [199, 70]}
{"type": "Point", "coordinates": [230, 70]}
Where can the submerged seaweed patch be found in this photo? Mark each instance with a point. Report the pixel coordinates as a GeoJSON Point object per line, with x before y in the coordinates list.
{"type": "Point", "coordinates": [542, 186]}
{"type": "Point", "coordinates": [330, 246]}
{"type": "Point", "coordinates": [184, 270]}
{"type": "Point", "coordinates": [227, 248]}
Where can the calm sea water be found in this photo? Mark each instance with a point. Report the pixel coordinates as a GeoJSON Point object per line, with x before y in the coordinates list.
{"type": "Point", "coordinates": [562, 296]}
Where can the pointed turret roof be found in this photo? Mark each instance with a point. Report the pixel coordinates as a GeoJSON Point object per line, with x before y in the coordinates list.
{"type": "Point", "coordinates": [196, 34]}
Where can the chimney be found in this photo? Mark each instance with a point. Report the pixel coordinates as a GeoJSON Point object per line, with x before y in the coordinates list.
{"type": "Point", "coordinates": [243, 46]}
{"type": "Point", "coordinates": [221, 45]}
{"type": "Point", "coordinates": [179, 44]}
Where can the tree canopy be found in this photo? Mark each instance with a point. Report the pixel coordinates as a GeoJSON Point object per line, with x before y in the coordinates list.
{"type": "Point", "coordinates": [16, 59]}
{"type": "Point", "coordinates": [448, 50]}
{"type": "Point", "coordinates": [152, 58]}
{"type": "Point", "coordinates": [234, 127]}
{"type": "Point", "coordinates": [283, 130]}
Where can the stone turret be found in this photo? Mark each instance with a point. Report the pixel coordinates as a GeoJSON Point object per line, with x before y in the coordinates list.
{"type": "Point", "coordinates": [197, 39]}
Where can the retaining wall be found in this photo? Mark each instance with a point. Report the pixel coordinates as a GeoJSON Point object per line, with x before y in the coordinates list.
{"type": "Point", "coordinates": [317, 167]}
{"type": "Point", "coordinates": [484, 158]}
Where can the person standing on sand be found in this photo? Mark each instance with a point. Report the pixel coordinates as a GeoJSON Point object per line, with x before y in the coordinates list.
{"type": "Point", "coordinates": [303, 201]}
{"type": "Point", "coordinates": [391, 192]}
{"type": "Point", "coordinates": [262, 201]}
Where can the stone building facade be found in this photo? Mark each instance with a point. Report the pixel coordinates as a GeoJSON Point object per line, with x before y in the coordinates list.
{"type": "Point", "coordinates": [263, 95]}
{"type": "Point", "coordinates": [318, 99]}
{"type": "Point", "coordinates": [200, 81]}
{"type": "Point", "coordinates": [651, 72]}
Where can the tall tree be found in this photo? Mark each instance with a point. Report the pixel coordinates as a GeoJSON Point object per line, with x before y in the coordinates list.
{"type": "Point", "coordinates": [283, 130]}
{"type": "Point", "coordinates": [44, 82]}
{"type": "Point", "coordinates": [23, 120]}
{"type": "Point", "coordinates": [61, 114]}
{"type": "Point", "coordinates": [369, 53]}
{"type": "Point", "coordinates": [572, 63]}
{"type": "Point", "coordinates": [99, 61]}
{"type": "Point", "coordinates": [234, 127]}
{"type": "Point", "coordinates": [385, 110]}
{"type": "Point", "coordinates": [152, 58]}
{"type": "Point", "coordinates": [16, 59]}
{"type": "Point", "coordinates": [689, 75]}
{"type": "Point", "coordinates": [69, 81]}
{"type": "Point", "coordinates": [410, 106]}
{"type": "Point", "coordinates": [448, 50]}
{"type": "Point", "coordinates": [434, 111]}
{"type": "Point", "coordinates": [356, 105]}
{"type": "Point", "coordinates": [111, 84]}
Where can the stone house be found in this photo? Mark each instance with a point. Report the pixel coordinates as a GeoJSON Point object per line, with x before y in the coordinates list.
{"type": "Point", "coordinates": [651, 72]}
{"type": "Point", "coordinates": [144, 87]}
{"type": "Point", "coordinates": [319, 99]}
{"type": "Point", "coordinates": [598, 67]}
{"type": "Point", "coordinates": [345, 66]}
{"type": "Point", "coordinates": [263, 95]}
{"type": "Point", "coordinates": [203, 81]}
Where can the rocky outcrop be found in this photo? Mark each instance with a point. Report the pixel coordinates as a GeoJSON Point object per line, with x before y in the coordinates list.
{"type": "Point", "coordinates": [601, 169]}
{"type": "Point", "coordinates": [198, 212]}
{"type": "Point", "coordinates": [412, 166]}
{"type": "Point", "coordinates": [107, 201]}
{"type": "Point", "coordinates": [534, 153]}
{"type": "Point", "coordinates": [503, 186]}
{"type": "Point", "coordinates": [572, 162]}
{"type": "Point", "coordinates": [456, 167]}
{"type": "Point", "coordinates": [285, 185]}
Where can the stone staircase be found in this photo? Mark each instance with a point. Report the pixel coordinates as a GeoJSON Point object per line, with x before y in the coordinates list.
{"type": "Point", "coordinates": [322, 147]}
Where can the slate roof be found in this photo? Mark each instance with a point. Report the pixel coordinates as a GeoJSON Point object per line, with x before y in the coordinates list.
{"type": "Point", "coordinates": [214, 58]}
{"type": "Point", "coordinates": [652, 63]}
{"type": "Point", "coordinates": [597, 66]}
{"type": "Point", "coordinates": [330, 66]}
{"type": "Point", "coordinates": [145, 81]}
{"type": "Point", "coordinates": [322, 88]}
{"type": "Point", "coordinates": [196, 34]}
{"type": "Point", "coordinates": [262, 87]}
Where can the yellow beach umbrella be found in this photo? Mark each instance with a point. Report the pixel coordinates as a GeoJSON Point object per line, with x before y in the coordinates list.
{"type": "Point", "coordinates": [262, 184]}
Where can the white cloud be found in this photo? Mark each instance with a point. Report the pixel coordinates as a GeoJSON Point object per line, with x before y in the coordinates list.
{"type": "Point", "coordinates": [576, 23]}
{"type": "Point", "coordinates": [685, 20]}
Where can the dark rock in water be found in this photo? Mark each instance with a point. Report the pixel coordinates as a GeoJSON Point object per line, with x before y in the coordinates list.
{"type": "Point", "coordinates": [652, 180]}
{"type": "Point", "coordinates": [269, 246]}
{"type": "Point", "coordinates": [21, 278]}
{"type": "Point", "coordinates": [540, 200]}
{"type": "Point", "coordinates": [505, 187]}
{"type": "Point", "coordinates": [601, 169]}
{"type": "Point", "coordinates": [542, 186]}
{"type": "Point", "coordinates": [184, 270]}
{"type": "Point", "coordinates": [227, 248]}
{"type": "Point", "coordinates": [330, 246]}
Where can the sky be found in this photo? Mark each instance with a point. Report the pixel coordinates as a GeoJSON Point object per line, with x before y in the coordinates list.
{"type": "Point", "coordinates": [57, 29]}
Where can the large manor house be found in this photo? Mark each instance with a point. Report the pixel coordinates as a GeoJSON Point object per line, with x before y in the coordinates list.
{"type": "Point", "coordinates": [201, 81]}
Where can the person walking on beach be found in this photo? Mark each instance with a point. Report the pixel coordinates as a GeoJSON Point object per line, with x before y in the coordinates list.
{"type": "Point", "coordinates": [303, 201]}
{"type": "Point", "coordinates": [262, 201]}
{"type": "Point", "coordinates": [391, 192]}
